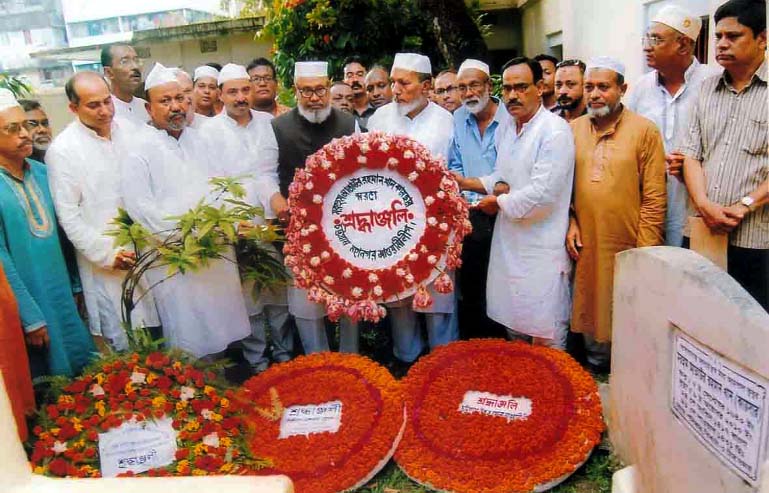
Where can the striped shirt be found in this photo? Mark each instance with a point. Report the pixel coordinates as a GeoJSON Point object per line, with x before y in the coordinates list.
{"type": "Point", "coordinates": [729, 134]}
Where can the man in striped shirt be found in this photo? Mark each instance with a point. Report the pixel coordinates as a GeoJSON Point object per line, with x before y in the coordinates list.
{"type": "Point", "coordinates": [726, 167]}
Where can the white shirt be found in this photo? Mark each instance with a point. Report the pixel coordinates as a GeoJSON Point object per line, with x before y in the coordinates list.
{"type": "Point", "coordinates": [84, 178]}
{"type": "Point", "coordinates": [433, 127]}
{"type": "Point", "coordinates": [528, 280]}
{"type": "Point", "coordinates": [202, 312]}
{"type": "Point", "coordinates": [135, 110]}
{"type": "Point", "coordinates": [671, 114]}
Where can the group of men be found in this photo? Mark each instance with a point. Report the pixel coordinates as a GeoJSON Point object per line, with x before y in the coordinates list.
{"type": "Point", "coordinates": [560, 173]}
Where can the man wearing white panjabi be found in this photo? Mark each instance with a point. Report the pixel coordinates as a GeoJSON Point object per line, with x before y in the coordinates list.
{"type": "Point", "coordinates": [84, 177]}
{"type": "Point", "coordinates": [246, 148]}
{"type": "Point", "coordinates": [165, 175]}
{"type": "Point", "coordinates": [412, 114]}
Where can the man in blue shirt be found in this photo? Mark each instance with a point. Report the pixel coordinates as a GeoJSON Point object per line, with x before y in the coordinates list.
{"type": "Point", "coordinates": [473, 153]}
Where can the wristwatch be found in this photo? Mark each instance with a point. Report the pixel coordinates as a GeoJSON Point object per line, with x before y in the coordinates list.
{"type": "Point", "coordinates": [747, 201]}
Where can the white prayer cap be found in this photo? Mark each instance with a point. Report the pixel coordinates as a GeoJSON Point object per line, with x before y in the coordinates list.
{"type": "Point", "coordinates": [205, 71]}
{"type": "Point", "coordinates": [606, 62]}
{"type": "Point", "coordinates": [310, 69]}
{"type": "Point", "coordinates": [473, 64]}
{"type": "Point", "coordinates": [679, 19]}
{"type": "Point", "coordinates": [7, 99]}
{"type": "Point", "coordinates": [413, 62]}
{"type": "Point", "coordinates": [232, 71]}
{"type": "Point", "coordinates": [159, 75]}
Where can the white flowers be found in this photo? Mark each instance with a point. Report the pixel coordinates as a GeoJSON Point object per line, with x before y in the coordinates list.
{"type": "Point", "coordinates": [362, 160]}
{"type": "Point", "coordinates": [429, 200]}
{"type": "Point", "coordinates": [432, 259]}
{"type": "Point", "coordinates": [420, 165]}
{"type": "Point", "coordinates": [413, 176]}
{"type": "Point", "coordinates": [432, 221]}
{"type": "Point", "coordinates": [317, 199]}
{"type": "Point", "coordinates": [410, 278]}
{"type": "Point", "coordinates": [328, 280]}
{"type": "Point", "coordinates": [207, 414]}
{"type": "Point", "coordinates": [378, 290]}
{"type": "Point", "coordinates": [408, 154]}
{"type": "Point", "coordinates": [325, 255]}
{"type": "Point", "coordinates": [187, 393]}
{"type": "Point", "coordinates": [363, 146]}
{"type": "Point", "coordinates": [315, 261]}
{"type": "Point", "coordinates": [443, 227]}
{"type": "Point", "coordinates": [332, 176]}
{"type": "Point", "coordinates": [307, 248]}
{"type": "Point", "coordinates": [400, 272]}
{"type": "Point", "coordinates": [325, 163]}
{"type": "Point", "coordinates": [413, 257]}
{"type": "Point", "coordinates": [372, 277]}
{"type": "Point", "coordinates": [357, 292]}
{"type": "Point", "coordinates": [59, 447]}
{"type": "Point", "coordinates": [384, 147]}
{"type": "Point", "coordinates": [138, 378]}
{"type": "Point", "coordinates": [441, 194]}
{"type": "Point", "coordinates": [97, 390]}
{"type": "Point", "coordinates": [211, 440]}
{"type": "Point", "coordinates": [392, 162]}
{"type": "Point", "coordinates": [347, 273]}
{"type": "Point", "coordinates": [309, 185]}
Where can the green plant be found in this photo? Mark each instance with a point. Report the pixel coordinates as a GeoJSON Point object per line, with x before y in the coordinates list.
{"type": "Point", "coordinates": [17, 85]}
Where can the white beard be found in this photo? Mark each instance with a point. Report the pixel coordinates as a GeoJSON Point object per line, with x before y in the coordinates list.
{"type": "Point", "coordinates": [477, 107]}
{"type": "Point", "coordinates": [314, 116]}
{"type": "Point", "coordinates": [600, 112]}
{"type": "Point", "coordinates": [406, 108]}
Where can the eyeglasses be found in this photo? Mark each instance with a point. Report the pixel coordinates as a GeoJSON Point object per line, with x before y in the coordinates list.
{"type": "Point", "coordinates": [520, 88]}
{"type": "Point", "coordinates": [652, 40]}
{"type": "Point", "coordinates": [38, 123]}
{"type": "Point", "coordinates": [444, 90]}
{"type": "Point", "coordinates": [257, 79]}
{"type": "Point", "coordinates": [571, 63]}
{"type": "Point", "coordinates": [474, 86]}
{"type": "Point", "coordinates": [128, 61]}
{"type": "Point", "coordinates": [307, 92]}
{"type": "Point", "coordinates": [15, 127]}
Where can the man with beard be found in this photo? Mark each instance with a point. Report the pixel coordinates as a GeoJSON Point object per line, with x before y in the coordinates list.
{"type": "Point", "coordinates": [298, 134]}
{"type": "Point", "coordinates": [122, 67]}
{"type": "Point", "coordinates": [342, 97]}
{"type": "Point", "coordinates": [666, 96]}
{"type": "Point", "coordinates": [415, 116]}
{"type": "Point", "coordinates": [84, 176]}
{"type": "Point", "coordinates": [378, 87]}
{"type": "Point", "coordinates": [262, 74]}
{"type": "Point", "coordinates": [569, 76]}
{"type": "Point", "coordinates": [528, 285]}
{"type": "Point", "coordinates": [246, 148]}
{"type": "Point", "coordinates": [548, 63]}
{"type": "Point", "coordinates": [445, 91]}
{"type": "Point", "coordinates": [619, 200]}
{"type": "Point", "coordinates": [165, 174]}
{"type": "Point", "coordinates": [57, 341]}
{"type": "Point", "coordinates": [205, 92]}
{"type": "Point", "coordinates": [40, 128]}
{"type": "Point", "coordinates": [354, 76]}
{"type": "Point", "coordinates": [474, 154]}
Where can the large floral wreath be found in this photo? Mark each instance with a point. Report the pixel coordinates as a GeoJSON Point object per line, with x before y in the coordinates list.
{"type": "Point", "coordinates": [424, 209]}
{"type": "Point", "coordinates": [359, 396]}
{"type": "Point", "coordinates": [499, 417]}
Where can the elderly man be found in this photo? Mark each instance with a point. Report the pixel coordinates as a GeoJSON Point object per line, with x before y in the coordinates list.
{"type": "Point", "coordinates": [165, 174]}
{"type": "Point", "coordinates": [666, 96]}
{"type": "Point", "coordinates": [188, 86]}
{"type": "Point", "coordinates": [84, 177]}
{"type": "Point", "coordinates": [300, 133]}
{"type": "Point", "coordinates": [548, 63]}
{"type": "Point", "coordinates": [246, 148]}
{"type": "Point", "coordinates": [569, 77]}
{"type": "Point", "coordinates": [342, 97]}
{"type": "Point", "coordinates": [354, 76]}
{"type": "Point", "coordinates": [205, 93]}
{"type": "Point", "coordinates": [40, 128]}
{"type": "Point", "coordinates": [528, 285]}
{"type": "Point", "coordinates": [474, 154]}
{"type": "Point", "coordinates": [619, 199]}
{"type": "Point", "coordinates": [727, 155]}
{"type": "Point", "coordinates": [123, 68]}
{"type": "Point", "coordinates": [265, 83]}
{"type": "Point", "coordinates": [31, 254]}
{"type": "Point", "coordinates": [445, 92]}
{"type": "Point", "coordinates": [378, 87]}
{"type": "Point", "coordinates": [415, 116]}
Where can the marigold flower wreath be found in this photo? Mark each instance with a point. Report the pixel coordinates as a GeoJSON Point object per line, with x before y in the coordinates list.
{"type": "Point", "coordinates": [496, 416]}
{"type": "Point", "coordinates": [374, 218]}
{"type": "Point", "coordinates": [370, 404]}
{"type": "Point", "coordinates": [133, 388]}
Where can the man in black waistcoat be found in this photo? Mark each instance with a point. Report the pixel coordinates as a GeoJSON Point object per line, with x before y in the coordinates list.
{"type": "Point", "coordinates": [300, 133]}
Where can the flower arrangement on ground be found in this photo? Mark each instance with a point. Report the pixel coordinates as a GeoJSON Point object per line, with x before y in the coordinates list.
{"type": "Point", "coordinates": [329, 421]}
{"type": "Point", "coordinates": [374, 218]}
{"type": "Point", "coordinates": [495, 416]}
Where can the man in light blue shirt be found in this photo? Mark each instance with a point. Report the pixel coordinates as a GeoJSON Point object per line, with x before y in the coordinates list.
{"type": "Point", "coordinates": [666, 96]}
{"type": "Point", "coordinates": [473, 153]}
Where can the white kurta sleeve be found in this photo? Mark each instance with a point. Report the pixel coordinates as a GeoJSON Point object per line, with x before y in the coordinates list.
{"type": "Point", "coordinates": [65, 186]}
{"type": "Point", "coordinates": [266, 172]}
{"type": "Point", "coordinates": [138, 195]}
{"type": "Point", "coordinates": [549, 175]}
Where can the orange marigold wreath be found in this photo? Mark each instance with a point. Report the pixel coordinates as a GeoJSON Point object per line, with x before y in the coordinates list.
{"type": "Point", "coordinates": [533, 419]}
{"type": "Point", "coordinates": [372, 420]}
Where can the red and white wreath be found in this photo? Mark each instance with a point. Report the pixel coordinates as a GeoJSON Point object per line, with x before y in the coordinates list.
{"type": "Point", "coordinates": [375, 218]}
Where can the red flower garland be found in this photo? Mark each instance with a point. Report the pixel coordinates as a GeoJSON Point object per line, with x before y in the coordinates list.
{"type": "Point", "coordinates": [347, 289]}
{"type": "Point", "coordinates": [462, 452]}
{"type": "Point", "coordinates": [371, 424]}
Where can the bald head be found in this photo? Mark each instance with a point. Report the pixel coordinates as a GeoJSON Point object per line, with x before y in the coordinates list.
{"type": "Point", "coordinates": [83, 81]}
{"type": "Point", "coordinates": [90, 99]}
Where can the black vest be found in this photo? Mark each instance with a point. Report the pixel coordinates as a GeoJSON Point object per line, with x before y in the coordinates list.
{"type": "Point", "coordinates": [298, 138]}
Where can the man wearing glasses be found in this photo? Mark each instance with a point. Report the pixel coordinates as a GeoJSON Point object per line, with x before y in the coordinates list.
{"type": "Point", "coordinates": [262, 74]}
{"type": "Point", "coordinates": [123, 69]}
{"type": "Point", "coordinates": [569, 77]}
{"type": "Point", "coordinates": [666, 96]}
{"type": "Point", "coordinates": [40, 128]}
{"type": "Point", "coordinates": [445, 92]}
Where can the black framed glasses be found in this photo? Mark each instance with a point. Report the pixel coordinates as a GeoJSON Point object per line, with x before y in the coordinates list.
{"type": "Point", "coordinates": [307, 92]}
{"type": "Point", "coordinates": [571, 63]}
{"type": "Point", "coordinates": [445, 90]}
{"type": "Point", "coordinates": [474, 86]}
{"type": "Point", "coordinates": [258, 79]}
{"type": "Point", "coordinates": [38, 123]}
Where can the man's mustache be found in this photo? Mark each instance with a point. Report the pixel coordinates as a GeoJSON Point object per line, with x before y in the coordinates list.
{"type": "Point", "coordinates": [356, 85]}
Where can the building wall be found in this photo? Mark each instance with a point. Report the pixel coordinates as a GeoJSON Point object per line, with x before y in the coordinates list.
{"type": "Point", "coordinates": [541, 23]}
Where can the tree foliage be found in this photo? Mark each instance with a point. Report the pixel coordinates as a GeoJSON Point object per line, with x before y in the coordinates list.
{"type": "Point", "coordinates": [18, 86]}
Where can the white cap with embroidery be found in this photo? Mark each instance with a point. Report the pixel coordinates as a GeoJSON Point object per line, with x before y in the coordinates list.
{"type": "Point", "coordinates": [473, 64]}
{"type": "Point", "coordinates": [158, 76]}
{"type": "Point", "coordinates": [7, 99]}
{"type": "Point", "coordinates": [232, 71]}
{"type": "Point", "coordinates": [310, 69]}
{"type": "Point", "coordinates": [205, 71]}
{"type": "Point", "coordinates": [606, 62]}
{"type": "Point", "coordinates": [413, 62]}
{"type": "Point", "coordinates": [679, 19]}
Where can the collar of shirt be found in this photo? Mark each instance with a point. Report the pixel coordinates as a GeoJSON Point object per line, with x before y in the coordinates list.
{"type": "Point", "coordinates": [231, 121]}
{"type": "Point", "coordinates": [688, 73]}
{"type": "Point", "coordinates": [537, 116]}
{"type": "Point", "coordinates": [599, 134]}
{"type": "Point", "coordinates": [24, 167]}
{"type": "Point", "coordinates": [91, 133]}
{"type": "Point", "coordinates": [725, 83]}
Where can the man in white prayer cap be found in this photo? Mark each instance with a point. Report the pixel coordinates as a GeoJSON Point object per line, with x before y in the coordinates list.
{"type": "Point", "coordinates": [298, 134]}
{"type": "Point", "coordinates": [205, 93]}
{"type": "Point", "coordinates": [246, 148]}
{"type": "Point", "coordinates": [415, 116]}
{"type": "Point", "coordinates": [619, 199]}
{"type": "Point", "coordinates": [666, 96]}
{"type": "Point", "coordinates": [84, 175]}
{"type": "Point", "coordinates": [165, 174]}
